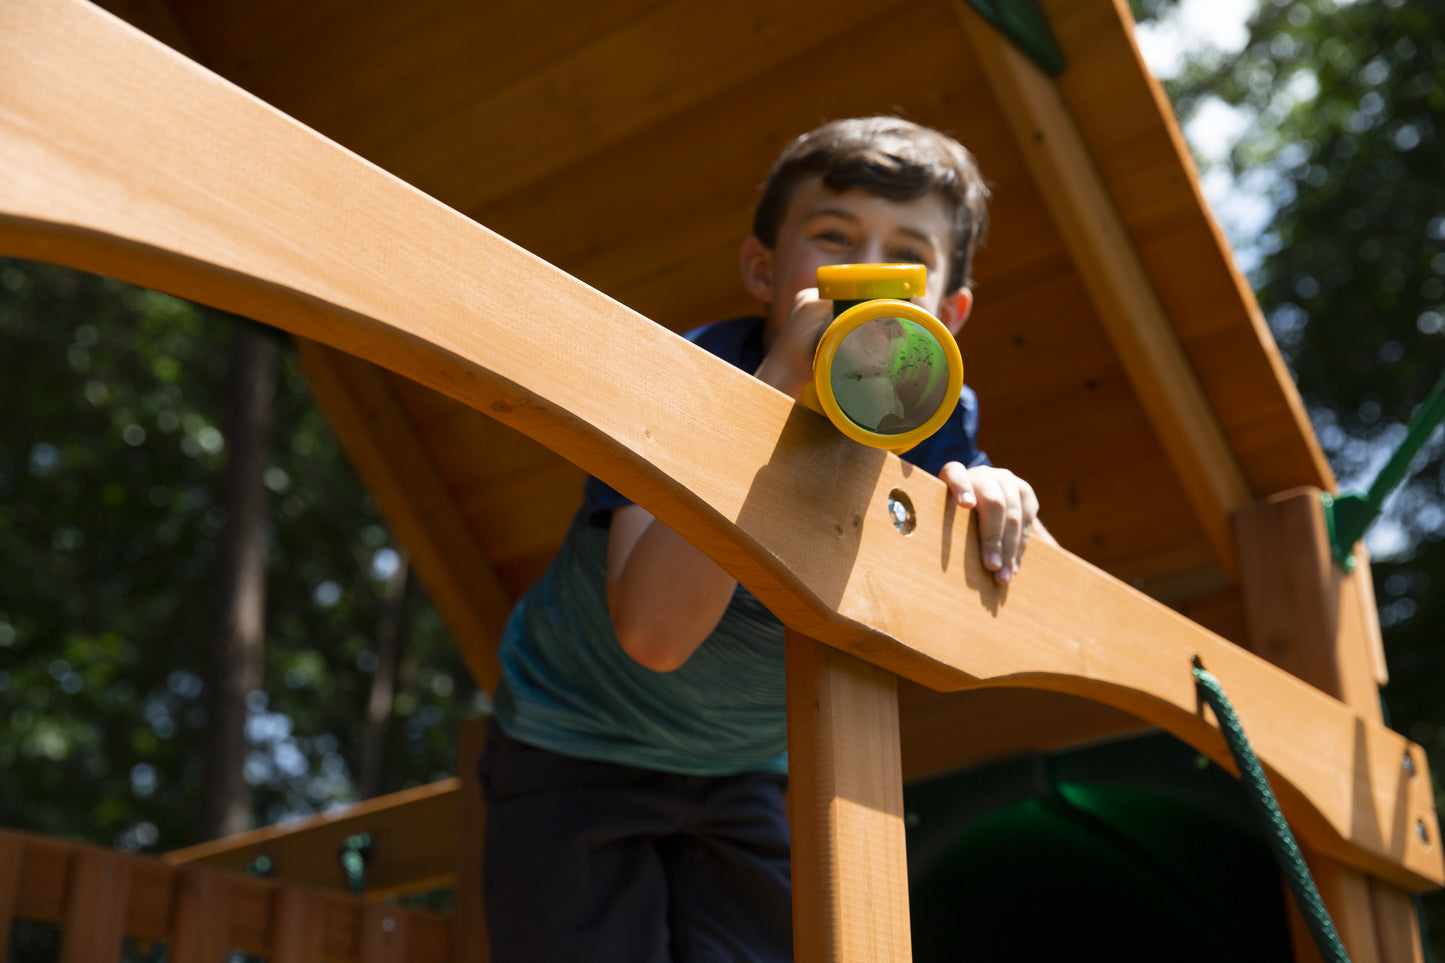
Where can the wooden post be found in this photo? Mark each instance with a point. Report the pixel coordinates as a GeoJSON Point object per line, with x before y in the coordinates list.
{"type": "Point", "coordinates": [1308, 616]}
{"type": "Point", "coordinates": [95, 908]}
{"type": "Point", "coordinates": [469, 923]}
{"type": "Point", "coordinates": [297, 935]}
{"type": "Point", "coordinates": [202, 917]}
{"type": "Point", "coordinates": [385, 934]}
{"type": "Point", "coordinates": [11, 850]}
{"type": "Point", "coordinates": [845, 797]}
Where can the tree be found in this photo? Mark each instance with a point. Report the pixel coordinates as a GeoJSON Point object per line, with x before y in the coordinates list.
{"type": "Point", "coordinates": [1345, 102]}
{"type": "Point", "coordinates": [236, 665]}
{"type": "Point", "coordinates": [111, 459]}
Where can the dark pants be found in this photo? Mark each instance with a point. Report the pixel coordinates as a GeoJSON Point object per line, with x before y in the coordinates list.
{"type": "Point", "coordinates": [594, 861]}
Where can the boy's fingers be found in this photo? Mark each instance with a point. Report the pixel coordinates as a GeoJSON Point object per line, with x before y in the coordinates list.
{"type": "Point", "coordinates": [992, 517]}
{"type": "Point", "coordinates": [960, 486]}
{"type": "Point", "coordinates": [1012, 528]}
{"type": "Point", "coordinates": [1029, 503]}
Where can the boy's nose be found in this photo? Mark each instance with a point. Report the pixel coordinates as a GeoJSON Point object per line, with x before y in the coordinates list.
{"type": "Point", "coordinates": [872, 252]}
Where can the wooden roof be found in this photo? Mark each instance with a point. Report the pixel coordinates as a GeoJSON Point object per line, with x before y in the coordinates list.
{"type": "Point", "coordinates": [1122, 364]}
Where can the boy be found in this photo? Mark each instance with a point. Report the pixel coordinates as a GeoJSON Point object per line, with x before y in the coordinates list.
{"type": "Point", "coordinates": [635, 766]}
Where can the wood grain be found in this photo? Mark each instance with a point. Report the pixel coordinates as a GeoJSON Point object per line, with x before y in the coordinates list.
{"type": "Point", "coordinates": [845, 794]}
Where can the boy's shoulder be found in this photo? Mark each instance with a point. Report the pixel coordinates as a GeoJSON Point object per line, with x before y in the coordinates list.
{"type": "Point", "coordinates": [736, 340]}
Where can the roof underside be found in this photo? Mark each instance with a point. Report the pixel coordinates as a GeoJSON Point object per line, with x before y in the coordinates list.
{"type": "Point", "coordinates": [624, 142]}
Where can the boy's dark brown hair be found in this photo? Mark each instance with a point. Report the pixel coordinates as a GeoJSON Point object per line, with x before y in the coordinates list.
{"type": "Point", "coordinates": [892, 158]}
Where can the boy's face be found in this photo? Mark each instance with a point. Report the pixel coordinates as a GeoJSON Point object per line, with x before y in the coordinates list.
{"type": "Point", "coordinates": [855, 227]}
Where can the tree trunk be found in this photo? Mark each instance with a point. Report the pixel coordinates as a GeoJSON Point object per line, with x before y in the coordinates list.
{"type": "Point", "coordinates": [238, 649]}
{"type": "Point", "coordinates": [391, 635]}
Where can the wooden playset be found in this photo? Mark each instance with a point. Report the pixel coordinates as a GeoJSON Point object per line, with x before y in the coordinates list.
{"type": "Point", "coordinates": [327, 167]}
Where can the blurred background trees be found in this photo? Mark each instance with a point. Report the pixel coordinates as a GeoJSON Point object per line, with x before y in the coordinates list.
{"type": "Point", "coordinates": [123, 409]}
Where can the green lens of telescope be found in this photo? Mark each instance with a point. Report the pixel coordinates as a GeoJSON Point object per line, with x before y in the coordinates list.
{"type": "Point", "coordinates": [889, 375]}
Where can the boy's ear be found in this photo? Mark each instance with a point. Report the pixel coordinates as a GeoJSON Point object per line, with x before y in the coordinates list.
{"type": "Point", "coordinates": [756, 261]}
{"type": "Point", "coordinates": [954, 310]}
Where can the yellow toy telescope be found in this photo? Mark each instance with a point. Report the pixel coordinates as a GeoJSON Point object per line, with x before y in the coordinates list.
{"type": "Point", "coordinates": [886, 372]}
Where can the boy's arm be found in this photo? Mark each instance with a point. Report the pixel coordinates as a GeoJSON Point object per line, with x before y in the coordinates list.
{"type": "Point", "coordinates": [665, 597]}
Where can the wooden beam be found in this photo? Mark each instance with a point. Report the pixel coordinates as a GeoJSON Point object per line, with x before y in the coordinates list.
{"type": "Point", "coordinates": [385, 934]}
{"type": "Point", "coordinates": [202, 918]}
{"type": "Point", "coordinates": [413, 832]}
{"type": "Point", "coordinates": [10, 849]}
{"type": "Point", "coordinates": [297, 935]}
{"type": "Point", "coordinates": [98, 133]}
{"type": "Point", "coordinates": [998, 723]}
{"type": "Point", "coordinates": [1118, 284]}
{"type": "Point", "coordinates": [1305, 614]}
{"type": "Point", "coordinates": [845, 796]}
{"type": "Point", "coordinates": [470, 943]}
{"type": "Point", "coordinates": [1310, 617]}
{"type": "Point", "coordinates": [95, 910]}
{"type": "Point", "coordinates": [381, 440]}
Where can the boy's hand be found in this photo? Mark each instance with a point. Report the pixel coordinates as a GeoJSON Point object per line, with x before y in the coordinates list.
{"type": "Point", "coordinates": [788, 365]}
{"type": "Point", "coordinates": [1007, 510]}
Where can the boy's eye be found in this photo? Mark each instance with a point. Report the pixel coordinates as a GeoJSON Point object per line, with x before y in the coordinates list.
{"type": "Point", "coordinates": [832, 237]}
{"type": "Point", "coordinates": [908, 255]}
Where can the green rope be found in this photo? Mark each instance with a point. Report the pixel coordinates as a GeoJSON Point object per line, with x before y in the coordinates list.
{"type": "Point", "coordinates": [1266, 807]}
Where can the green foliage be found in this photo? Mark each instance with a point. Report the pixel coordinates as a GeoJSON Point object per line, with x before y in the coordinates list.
{"type": "Point", "coordinates": [1347, 100]}
{"type": "Point", "coordinates": [110, 458]}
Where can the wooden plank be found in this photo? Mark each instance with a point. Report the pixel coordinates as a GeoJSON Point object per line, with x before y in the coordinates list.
{"type": "Point", "coordinates": [945, 731]}
{"type": "Point", "coordinates": [1310, 617]}
{"type": "Point", "coordinates": [1119, 286]}
{"type": "Point", "coordinates": [845, 797]}
{"type": "Point", "coordinates": [202, 918]}
{"type": "Point", "coordinates": [1397, 925]}
{"type": "Point", "coordinates": [656, 66]}
{"type": "Point", "coordinates": [470, 943]}
{"type": "Point", "coordinates": [414, 839]}
{"type": "Point", "coordinates": [373, 75]}
{"type": "Point", "coordinates": [1346, 894]}
{"type": "Point", "coordinates": [1306, 615]}
{"type": "Point", "coordinates": [95, 908]}
{"type": "Point", "coordinates": [97, 133]}
{"type": "Point", "coordinates": [60, 881]}
{"type": "Point", "coordinates": [11, 849]}
{"type": "Point", "coordinates": [385, 934]}
{"type": "Point", "coordinates": [616, 216]}
{"type": "Point", "coordinates": [297, 929]}
{"type": "Point", "coordinates": [420, 507]}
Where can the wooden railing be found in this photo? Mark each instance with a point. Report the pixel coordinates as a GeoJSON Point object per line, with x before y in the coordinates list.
{"type": "Point", "coordinates": [100, 897]}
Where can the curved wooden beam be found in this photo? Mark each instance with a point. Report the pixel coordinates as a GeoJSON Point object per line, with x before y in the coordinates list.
{"type": "Point", "coordinates": [121, 157]}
